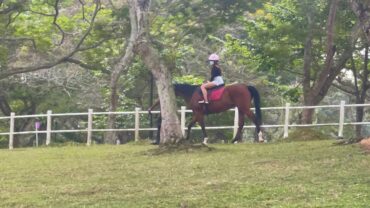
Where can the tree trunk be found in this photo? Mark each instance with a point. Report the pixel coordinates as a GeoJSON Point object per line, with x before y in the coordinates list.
{"type": "Point", "coordinates": [118, 68]}
{"type": "Point", "coordinates": [314, 94]}
{"type": "Point", "coordinates": [362, 11]}
{"type": "Point", "coordinates": [307, 60]}
{"type": "Point", "coordinates": [361, 94]}
{"type": "Point", "coordinates": [171, 130]}
{"type": "Point", "coordinates": [110, 136]}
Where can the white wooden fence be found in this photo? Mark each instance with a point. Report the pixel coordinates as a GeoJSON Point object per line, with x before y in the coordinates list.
{"type": "Point", "coordinates": [90, 114]}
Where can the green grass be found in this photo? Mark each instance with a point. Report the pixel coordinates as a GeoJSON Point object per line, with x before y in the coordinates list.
{"type": "Point", "coordinates": [296, 174]}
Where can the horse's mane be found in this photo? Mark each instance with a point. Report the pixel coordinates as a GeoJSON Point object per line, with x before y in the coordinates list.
{"type": "Point", "coordinates": [186, 89]}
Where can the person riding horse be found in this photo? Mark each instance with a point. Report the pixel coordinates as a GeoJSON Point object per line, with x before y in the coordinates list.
{"type": "Point", "coordinates": [216, 77]}
{"type": "Point", "coordinates": [235, 95]}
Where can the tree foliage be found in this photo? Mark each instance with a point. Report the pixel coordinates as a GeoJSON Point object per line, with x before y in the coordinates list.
{"type": "Point", "coordinates": [266, 43]}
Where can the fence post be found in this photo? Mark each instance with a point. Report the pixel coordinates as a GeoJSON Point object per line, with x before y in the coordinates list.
{"type": "Point", "coordinates": [137, 124]}
{"type": "Point", "coordinates": [37, 137]}
{"type": "Point", "coordinates": [183, 118]}
{"type": "Point", "coordinates": [89, 126]}
{"type": "Point", "coordinates": [11, 130]}
{"type": "Point", "coordinates": [48, 127]}
{"type": "Point", "coordinates": [236, 121]}
{"type": "Point", "coordinates": [286, 121]}
{"type": "Point", "coordinates": [341, 119]}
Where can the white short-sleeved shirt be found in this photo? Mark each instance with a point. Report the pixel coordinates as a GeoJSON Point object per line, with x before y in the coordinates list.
{"type": "Point", "coordinates": [218, 81]}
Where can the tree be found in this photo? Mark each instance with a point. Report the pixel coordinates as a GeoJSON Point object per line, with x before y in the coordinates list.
{"type": "Point", "coordinates": [118, 69]}
{"type": "Point", "coordinates": [81, 40]}
{"type": "Point", "coordinates": [313, 94]}
{"type": "Point", "coordinates": [362, 12]}
{"type": "Point", "coordinates": [171, 131]}
{"type": "Point", "coordinates": [288, 38]}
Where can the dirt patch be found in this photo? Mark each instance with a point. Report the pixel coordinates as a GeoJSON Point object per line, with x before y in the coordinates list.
{"type": "Point", "coordinates": [365, 144]}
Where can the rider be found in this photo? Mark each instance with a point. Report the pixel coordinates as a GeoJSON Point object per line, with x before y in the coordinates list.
{"type": "Point", "coordinates": [216, 78]}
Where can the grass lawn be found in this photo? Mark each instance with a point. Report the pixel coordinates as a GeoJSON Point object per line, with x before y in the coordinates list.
{"type": "Point", "coordinates": [296, 174]}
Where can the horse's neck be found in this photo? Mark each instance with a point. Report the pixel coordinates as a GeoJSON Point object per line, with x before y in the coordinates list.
{"type": "Point", "coordinates": [185, 92]}
{"type": "Point", "coordinates": [187, 99]}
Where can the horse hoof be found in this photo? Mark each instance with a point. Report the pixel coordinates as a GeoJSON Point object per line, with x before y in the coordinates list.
{"type": "Point", "coordinates": [204, 144]}
{"type": "Point", "coordinates": [205, 140]}
{"type": "Point", "coordinates": [236, 142]}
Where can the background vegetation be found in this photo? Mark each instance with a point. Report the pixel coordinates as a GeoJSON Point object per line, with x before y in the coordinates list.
{"type": "Point", "coordinates": [62, 55]}
{"type": "Point", "coordinates": [108, 55]}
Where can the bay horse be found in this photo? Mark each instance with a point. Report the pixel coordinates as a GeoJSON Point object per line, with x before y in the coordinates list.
{"type": "Point", "coordinates": [235, 95]}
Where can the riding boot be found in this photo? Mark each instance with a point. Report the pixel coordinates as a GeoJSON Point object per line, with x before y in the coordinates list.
{"type": "Point", "coordinates": [206, 110]}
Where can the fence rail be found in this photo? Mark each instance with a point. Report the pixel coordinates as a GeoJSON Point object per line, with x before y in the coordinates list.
{"type": "Point", "coordinates": [90, 115]}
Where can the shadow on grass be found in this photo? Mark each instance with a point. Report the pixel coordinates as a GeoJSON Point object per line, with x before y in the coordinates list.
{"type": "Point", "coordinates": [181, 147]}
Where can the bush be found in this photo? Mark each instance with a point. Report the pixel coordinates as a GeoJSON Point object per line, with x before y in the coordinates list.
{"type": "Point", "coordinates": [305, 134]}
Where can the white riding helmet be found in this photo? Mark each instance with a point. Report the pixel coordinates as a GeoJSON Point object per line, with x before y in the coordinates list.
{"type": "Point", "coordinates": [213, 57]}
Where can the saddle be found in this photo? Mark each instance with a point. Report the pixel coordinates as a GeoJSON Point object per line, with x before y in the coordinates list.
{"type": "Point", "coordinates": [214, 93]}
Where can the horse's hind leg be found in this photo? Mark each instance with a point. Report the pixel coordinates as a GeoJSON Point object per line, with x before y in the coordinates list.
{"type": "Point", "coordinates": [200, 119]}
{"type": "Point", "coordinates": [199, 116]}
{"type": "Point", "coordinates": [239, 133]}
{"type": "Point", "coordinates": [252, 117]}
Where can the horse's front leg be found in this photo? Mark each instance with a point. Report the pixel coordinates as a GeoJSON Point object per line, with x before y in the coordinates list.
{"type": "Point", "coordinates": [159, 124]}
{"type": "Point", "coordinates": [191, 124]}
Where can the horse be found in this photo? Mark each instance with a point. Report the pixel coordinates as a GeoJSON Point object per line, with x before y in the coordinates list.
{"type": "Point", "coordinates": [234, 95]}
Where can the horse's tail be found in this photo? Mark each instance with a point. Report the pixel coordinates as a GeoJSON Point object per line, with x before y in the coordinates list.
{"type": "Point", "coordinates": [256, 101]}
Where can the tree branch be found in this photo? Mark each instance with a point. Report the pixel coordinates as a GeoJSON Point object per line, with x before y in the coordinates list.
{"type": "Point", "coordinates": [86, 66]}
{"type": "Point", "coordinates": [42, 14]}
{"type": "Point", "coordinates": [341, 86]}
{"type": "Point", "coordinates": [83, 9]}
{"type": "Point", "coordinates": [97, 8]}
{"type": "Point", "coordinates": [10, 19]}
{"type": "Point", "coordinates": [55, 21]}
{"type": "Point", "coordinates": [97, 44]}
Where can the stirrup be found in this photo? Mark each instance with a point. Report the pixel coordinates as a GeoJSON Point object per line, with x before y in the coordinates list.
{"type": "Point", "coordinates": [202, 101]}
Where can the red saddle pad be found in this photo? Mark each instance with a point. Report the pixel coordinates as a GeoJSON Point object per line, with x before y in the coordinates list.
{"type": "Point", "coordinates": [216, 94]}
